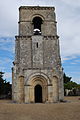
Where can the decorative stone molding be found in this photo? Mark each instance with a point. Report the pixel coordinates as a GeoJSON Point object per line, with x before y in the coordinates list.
{"type": "Point", "coordinates": [36, 8]}
{"type": "Point", "coordinates": [31, 36]}
{"type": "Point", "coordinates": [40, 75]}
{"type": "Point", "coordinates": [22, 37]}
{"type": "Point", "coordinates": [37, 15]}
{"type": "Point", "coordinates": [51, 37]}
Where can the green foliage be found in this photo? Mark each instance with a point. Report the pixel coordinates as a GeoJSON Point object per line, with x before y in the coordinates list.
{"type": "Point", "coordinates": [78, 86]}
{"type": "Point", "coordinates": [69, 85]}
{"type": "Point", "coordinates": [1, 83]}
{"type": "Point", "coordinates": [5, 87]}
{"type": "Point", "coordinates": [66, 78]}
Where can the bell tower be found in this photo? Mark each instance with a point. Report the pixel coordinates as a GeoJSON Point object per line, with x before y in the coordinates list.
{"type": "Point", "coordinates": [37, 73]}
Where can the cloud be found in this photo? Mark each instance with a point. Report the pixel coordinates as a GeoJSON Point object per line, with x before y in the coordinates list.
{"type": "Point", "coordinates": [7, 76]}
{"type": "Point", "coordinates": [74, 63]}
{"type": "Point", "coordinates": [68, 29]}
{"type": "Point", "coordinates": [5, 60]}
{"type": "Point", "coordinates": [5, 66]}
{"type": "Point", "coordinates": [76, 79]}
{"type": "Point", "coordinates": [70, 47]}
{"type": "Point", "coordinates": [66, 58]}
{"type": "Point", "coordinates": [7, 44]}
{"type": "Point", "coordinates": [72, 2]}
{"type": "Point", "coordinates": [2, 68]}
{"type": "Point", "coordinates": [78, 61]}
{"type": "Point", "coordinates": [68, 18]}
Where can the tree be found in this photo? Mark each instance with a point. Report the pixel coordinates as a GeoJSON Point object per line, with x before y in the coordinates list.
{"type": "Point", "coordinates": [70, 85]}
{"type": "Point", "coordinates": [66, 78]}
{"type": "Point", "coordinates": [1, 83]}
{"type": "Point", "coordinates": [5, 87]}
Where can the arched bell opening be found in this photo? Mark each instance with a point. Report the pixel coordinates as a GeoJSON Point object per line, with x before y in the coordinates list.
{"type": "Point", "coordinates": [38, 94]}
{"type": "Point", "coordinates": [37, 22]}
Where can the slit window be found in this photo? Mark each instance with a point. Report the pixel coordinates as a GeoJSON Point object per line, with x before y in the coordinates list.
{"type": "Point", "coordinates": [37, 44]}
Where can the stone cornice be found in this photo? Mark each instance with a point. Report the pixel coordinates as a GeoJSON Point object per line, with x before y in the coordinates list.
{"type": "Point", "coordinates": [23, 36]}
{"type": "Point", "coordinates": [43, 21]}
{"type": "Point", "coordinates": [52, 37]}
{"type": "Point", "coordinates": [56, 36]}
{"type": "Point", "coordinates": [44, 68]}
{"type": "Point", "coordinates": [37, 8]}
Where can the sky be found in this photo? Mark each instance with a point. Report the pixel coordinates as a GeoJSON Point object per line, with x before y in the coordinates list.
{"type": "Point", "coordinates": [68, 27]}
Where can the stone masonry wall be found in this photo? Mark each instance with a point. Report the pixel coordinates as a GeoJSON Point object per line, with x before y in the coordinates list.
{"type": "Point", "coordinates": [37, 57]}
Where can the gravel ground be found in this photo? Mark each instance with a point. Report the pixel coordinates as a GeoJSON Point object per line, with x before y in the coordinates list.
{"type": "Point", "coordinates": [56, 111]}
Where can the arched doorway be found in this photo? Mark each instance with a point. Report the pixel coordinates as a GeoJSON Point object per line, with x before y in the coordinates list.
{"type": "Point", "coordinates": [38, 94]}
{"type": "Point", "coordinates": [36, 82]}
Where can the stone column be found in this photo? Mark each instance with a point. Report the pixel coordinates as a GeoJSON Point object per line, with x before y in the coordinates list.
{"type": "Point", "coordinates": [61, 90]}
{"type": "Point", "coordinates": [12, 85]}
{"type": "Point", "coordinates": [31, 94]}
{"type": "Point", "coordinates": [27, 94]}
{"type": "Point", "coordinates": [55, 89]}
{"type": "Point", "coordinates": [44, 93]}
{"type": "Point", "coordinates": [50, 95]}
{"type": "Point", "coordinates": [21, 89]}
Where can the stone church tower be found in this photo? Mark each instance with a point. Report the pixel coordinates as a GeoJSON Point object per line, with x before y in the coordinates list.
{"type": "Point", "coordinates": [37, 73]}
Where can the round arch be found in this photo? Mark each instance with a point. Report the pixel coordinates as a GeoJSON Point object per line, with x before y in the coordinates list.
{"type": "Point", "coordinates": [37, 15]}
{"type": "Point", "coordinates": [41, 75]}
{"type": "Point", "coordinates": [37, 23]}
{"type": "Point", "coordinates": [37, 79]}
{"type": "Point", "coordinates": [34, 81]}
